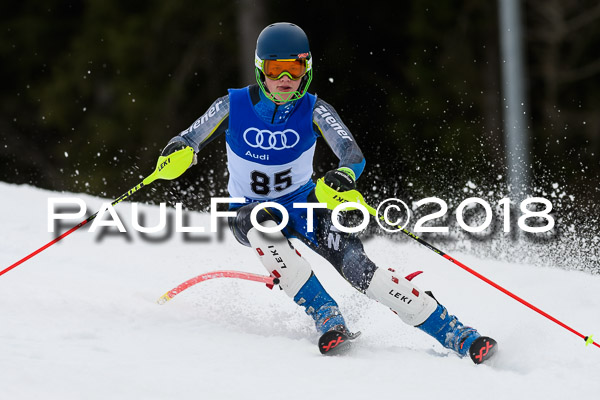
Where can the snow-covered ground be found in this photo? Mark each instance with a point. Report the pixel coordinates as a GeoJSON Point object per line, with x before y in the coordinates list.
{"type": "Point", "coordinates": [80, 321]}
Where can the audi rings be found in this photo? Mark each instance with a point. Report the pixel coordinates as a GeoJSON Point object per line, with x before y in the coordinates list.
{"type": "Point", "coordinates": [267, 140]}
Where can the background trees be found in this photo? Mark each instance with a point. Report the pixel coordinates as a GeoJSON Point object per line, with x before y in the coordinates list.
{"type": "Point", "coordinates": [92, 90]}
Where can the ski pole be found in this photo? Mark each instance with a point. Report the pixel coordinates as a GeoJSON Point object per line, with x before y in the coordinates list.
{"type": "Point", "coordinates": [269, 280]}
{"type": "Point", "coordinates": [333, 198]}
{"type": "Point", "coordinates": [167, 167]}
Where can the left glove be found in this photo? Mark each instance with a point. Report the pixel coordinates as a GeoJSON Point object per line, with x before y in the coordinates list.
{"type": "Point", "coordinates": [341, 179]}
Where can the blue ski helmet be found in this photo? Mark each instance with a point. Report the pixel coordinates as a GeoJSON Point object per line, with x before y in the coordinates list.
{"type": "Point", "coordinates": [283, 41]}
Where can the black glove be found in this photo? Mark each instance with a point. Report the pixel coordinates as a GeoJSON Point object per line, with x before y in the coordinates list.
{"type": "Point", "coordinates": [175, 146]}
{"type": "Point", "coordinates": [340, 180]}
{"type": "Point", "coordinates": [172, 148]}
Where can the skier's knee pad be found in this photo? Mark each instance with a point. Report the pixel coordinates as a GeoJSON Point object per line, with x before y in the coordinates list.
{"type": "Point", "coordinates": [280, 258]}
{"type": "Point", "coordinates": [241, 224]}
{"type": "Point", "coordinates": [357, 268]}
{"type": "Point", "coordinates": [412, 305]}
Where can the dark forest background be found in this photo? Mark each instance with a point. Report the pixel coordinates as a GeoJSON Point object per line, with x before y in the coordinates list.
{"type": "Point", "coordinates": [93, 90]}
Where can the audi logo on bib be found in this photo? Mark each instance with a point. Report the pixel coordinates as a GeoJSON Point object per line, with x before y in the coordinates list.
{"type": "Point", "coordinates": [267, 140]}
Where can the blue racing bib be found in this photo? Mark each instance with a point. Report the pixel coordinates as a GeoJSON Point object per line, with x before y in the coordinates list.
{"type": "Point", "coordinates": [267, 161]}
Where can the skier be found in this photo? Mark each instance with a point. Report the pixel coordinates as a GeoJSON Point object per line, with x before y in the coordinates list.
{"type": "Point", "coordinates": [271, 130]}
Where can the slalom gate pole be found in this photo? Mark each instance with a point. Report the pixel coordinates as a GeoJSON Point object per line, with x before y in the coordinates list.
{"type": "Point", "coordinates": [168, 167]}
{"type": "Point", "coordinates": [269, 280]}
{"type": "Point", "coordinates": [333, 198]}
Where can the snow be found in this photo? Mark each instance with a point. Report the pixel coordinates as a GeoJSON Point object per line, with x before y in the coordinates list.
{"type": "Point", "coordinates": [80, 320]}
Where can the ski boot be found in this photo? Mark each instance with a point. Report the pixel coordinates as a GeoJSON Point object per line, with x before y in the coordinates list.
{"type": "Point", "coordinates": [335, 336]}
{"type": "Point", "coordinates": [453, 335]}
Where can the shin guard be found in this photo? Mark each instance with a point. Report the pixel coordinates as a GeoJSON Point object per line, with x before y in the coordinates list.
{"type": "Point", "coordinates": [412, 305]}
{"type": "Point", "coordinates": [280, 258]}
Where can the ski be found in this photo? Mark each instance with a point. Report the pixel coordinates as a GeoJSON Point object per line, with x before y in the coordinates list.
{"type": "Point", "coordinates": [482, 349]}
{"type": "Point", "coordinates": [336, 342]}
{"type": "Point", "coordinates": [269, 280]}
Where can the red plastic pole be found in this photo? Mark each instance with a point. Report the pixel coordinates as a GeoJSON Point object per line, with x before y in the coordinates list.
{"type": "Point", "coordinates": [269, 280]}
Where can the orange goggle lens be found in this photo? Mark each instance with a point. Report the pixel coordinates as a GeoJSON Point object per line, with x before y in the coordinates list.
{"type": "Point", "coordinates": [274, 69]}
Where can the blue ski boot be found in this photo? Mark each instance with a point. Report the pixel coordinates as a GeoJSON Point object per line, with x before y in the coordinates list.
{"type": "Point", "coordinates": [335, 336]}
{"type": "Point", "coordinates": [453, 335]}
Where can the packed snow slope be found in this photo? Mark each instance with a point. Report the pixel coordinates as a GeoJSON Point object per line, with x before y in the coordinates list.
{"type": "Point", "coordinates": [80, 321]}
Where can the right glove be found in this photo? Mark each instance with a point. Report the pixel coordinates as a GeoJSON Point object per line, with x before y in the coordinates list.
{"type": "Point", "coordinates": [175, 146]}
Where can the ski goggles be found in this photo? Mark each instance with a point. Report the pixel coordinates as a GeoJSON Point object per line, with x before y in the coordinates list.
{"type": "Point", "coordinates": [294, 68]}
